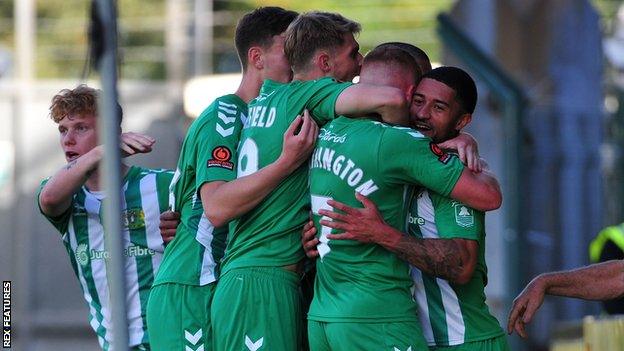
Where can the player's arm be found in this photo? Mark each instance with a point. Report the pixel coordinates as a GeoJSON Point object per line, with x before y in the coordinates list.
{"type": "Point", "coordinates": [451, 259]}
{"type": "Point", "coordinates": [480, 191]}
{"type": "Point", "coordinates": [224, 201]}
{"type": "Point", "coordinates": [411, 158]}
{"type": "Point", "coordinates": [361, 99]}
{"type": "Point", "coordinates": [601, 281]}
{"type": "Point", "coordinates": [477, 187]}
{"type": "Point", "coordinates": [56, 196]}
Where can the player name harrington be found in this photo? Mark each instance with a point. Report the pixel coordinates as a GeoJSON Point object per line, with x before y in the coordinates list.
{"type": "Point", "coordinates": [344, 168]}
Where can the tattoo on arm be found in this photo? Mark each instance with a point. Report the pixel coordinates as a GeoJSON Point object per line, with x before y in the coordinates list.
{"type": "Point", "coordinates": [439, 257]}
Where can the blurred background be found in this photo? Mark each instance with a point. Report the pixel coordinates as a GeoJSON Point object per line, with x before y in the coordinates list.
{"type": "Point", "coordinates": [550, 122]}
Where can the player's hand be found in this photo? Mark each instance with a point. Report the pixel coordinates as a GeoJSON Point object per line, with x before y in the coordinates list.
{"type": "Point", "coordinates": [169, 221]}
{"type": "Point", "coordinates": [524, 307]}
{"type": "Point", "coordinates": [299, 141]}
{"type": "Point", "coordinates": [135, 143]}
{"type": "Point", "coordinates": [467, 149]}
{"type": "Point", "coordinates": [365, 225]}
{"type": "Point", "coordinates": [309, 240]}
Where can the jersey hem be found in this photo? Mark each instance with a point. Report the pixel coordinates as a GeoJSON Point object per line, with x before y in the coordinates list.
{"type": "Point", "coordinates": [179, 282]}
{"type": "Point", "coordinates": [481, 337]}
{"type": "Point", "coordinates": [259, 263]}
{"type": "Point", "coordinates": [368, 319]}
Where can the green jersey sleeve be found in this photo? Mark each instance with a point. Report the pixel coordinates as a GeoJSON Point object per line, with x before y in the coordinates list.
{"type": "Point", "coordinates": [455, 220]}
{"type": "Point", "coordinates": [59, 222]}
{"type": "Point", "coordinates": [163, 180]}
{"type": "Point", "coordinates": [408, 156]}
{"type": "Point", "coordinates": [216, 141]}
{"type": "Point", "coordinates": [321, 96]}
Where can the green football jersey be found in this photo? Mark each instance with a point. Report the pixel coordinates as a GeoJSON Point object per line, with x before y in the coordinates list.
{"type": "Point", "coordinates": [144, 197]}
{"type": "Point", "coordinates": [269, 235]}
{"type": "Point", "coordinates": [451, 314]}
{"type": "Point", "coordinates": [364, 282]}
{"type": "Point", "coordinates": [208, 154]}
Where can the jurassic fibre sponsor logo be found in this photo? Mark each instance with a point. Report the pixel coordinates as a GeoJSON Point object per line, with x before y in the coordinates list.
{"type": "Point", "coordinates": [415, 220]}
{"type": "Point", "coordinates": [83, 255]}
{"type": "Point", "coordinates": [327, 135]}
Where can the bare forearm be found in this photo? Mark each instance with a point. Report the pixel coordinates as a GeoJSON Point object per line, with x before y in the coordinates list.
{"type": "Point", "coordinates": [235, 198]}
{"type": "Point", "coordinates": [56, 196]}
{"type": "Point", "coordinates": [438, 257]}
{"type": "Point", "coordinates": [364, 99]}
{"type": "Point", "coordinates": [478, 190]}
{"type": "Point", "coordinates": [395, 111]}
{"type": "Point", "coordinates": [492, 194]}
{"type": "Point", "coordinates": [602, 281]}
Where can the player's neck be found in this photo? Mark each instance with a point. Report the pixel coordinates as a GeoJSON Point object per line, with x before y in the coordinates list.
{"type": "Point", "coordinates": [95, 182]}
{"type": "Point", "coordinates": [249, 87]}
{"type": "Point", "coordinates": [310, 75]}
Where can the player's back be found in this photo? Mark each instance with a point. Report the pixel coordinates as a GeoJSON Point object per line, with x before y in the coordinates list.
{"type": "Point", "coordinates": [193, 257]}
{"type": "Point", "coordinates": [357, 281]}
{"type": "Point", "coordinates": [268, 235]}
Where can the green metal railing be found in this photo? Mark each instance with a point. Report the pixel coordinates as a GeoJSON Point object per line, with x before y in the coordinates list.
{"type": "Point", "coordinates": [513, 101]}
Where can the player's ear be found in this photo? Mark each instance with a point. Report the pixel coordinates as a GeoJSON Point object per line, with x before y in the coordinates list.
{"type": "Point", "coordinates": [409, 93]}
{"type": "Point", "coordinates": [463, 121]}
{"type": "Point", "coordinates": [254, 57]}
{"type": "Point", "coordinates": [323, 61]}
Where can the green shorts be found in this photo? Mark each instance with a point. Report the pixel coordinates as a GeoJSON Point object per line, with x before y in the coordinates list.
{"type": "Point", "coordinates": [348, 336]}
{"type": "Point", "coordinates": [178, 317]}
{"type": "Point", "coordinates": [257, 308]}
{"type": "Point", "coordinates": [494, 344]}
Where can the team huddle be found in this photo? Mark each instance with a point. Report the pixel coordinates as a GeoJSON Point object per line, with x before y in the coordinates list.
{"type": "Point", "coordinates": [371, 189]}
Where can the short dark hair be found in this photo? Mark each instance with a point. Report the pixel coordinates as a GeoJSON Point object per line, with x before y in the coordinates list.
{"type": "Point", "coordinates": [81, 101]}
{"type": "Point", "coordinates": [460, 81]}
{"type": "Point", "coordinates": [417, 53]}
{"type": "Point", "coordinates": [393, 55]}
{"type": "Point", "coordinates": [258, 27]}
{"type": "Point", "coordinates": [315, 30]}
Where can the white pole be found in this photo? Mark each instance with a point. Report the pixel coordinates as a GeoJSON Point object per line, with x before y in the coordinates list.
{"type": "Point", "coordinates": [109, 133]}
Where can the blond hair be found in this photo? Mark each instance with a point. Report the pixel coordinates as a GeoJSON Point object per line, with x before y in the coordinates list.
{"type": "Point", "coordinates": [312, 31]}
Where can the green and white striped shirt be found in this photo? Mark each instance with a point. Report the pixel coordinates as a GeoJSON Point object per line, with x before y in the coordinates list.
{"type": "Point", "coordinates": [451, 314]}
{"type": "Point", "coordinates": [144, 197]}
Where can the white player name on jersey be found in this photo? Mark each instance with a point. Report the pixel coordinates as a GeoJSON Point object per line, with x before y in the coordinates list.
{"type": "Point", "coordinates": [344, 168]}
{"type": "Point", "coordinates": [258, 117]}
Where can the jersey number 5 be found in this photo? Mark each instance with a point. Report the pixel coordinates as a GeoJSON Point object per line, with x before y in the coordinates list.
{"type": "Point", "coordinates": [318, 203]}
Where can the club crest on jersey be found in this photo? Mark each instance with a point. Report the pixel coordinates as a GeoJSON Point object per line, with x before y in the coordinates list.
{"type": "Point", "coordinates": [133, 218]}
{"type": "Point", "coordinates": [464, 216]}
{"type": "Point", "coordinates": [82, 256]}
{"type": "Point", "coordinates": [442, 156]}
{"type": "Point", "coordinates": [221, 156]}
